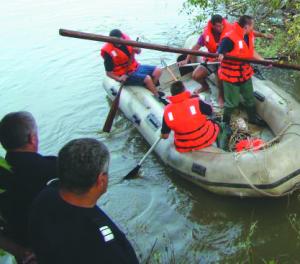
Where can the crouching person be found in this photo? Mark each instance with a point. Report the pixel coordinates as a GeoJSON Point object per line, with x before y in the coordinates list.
{"type": "Point", "coordinates": [66, 226]}
{"type": "Point", "coordinates": [187, 117]}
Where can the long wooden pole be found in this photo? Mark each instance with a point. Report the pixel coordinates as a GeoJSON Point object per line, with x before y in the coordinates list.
{"type": "Point", "coordinates": [102, 38]}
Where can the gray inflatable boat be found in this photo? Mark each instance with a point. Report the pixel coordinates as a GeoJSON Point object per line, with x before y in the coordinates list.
{"type": "Point", "coordinates": [273, 171]}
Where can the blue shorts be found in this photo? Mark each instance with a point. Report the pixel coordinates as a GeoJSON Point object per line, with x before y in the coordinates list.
{"type": "Point", "coordinates": [138, 77]}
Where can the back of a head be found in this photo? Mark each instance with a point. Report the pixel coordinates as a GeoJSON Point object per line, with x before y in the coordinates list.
{"type": "Point", "coordinates": [80, 162]}
{"type": "Point", "coordinates": [16, 129]}
{"type": "Point", "coordinates": [216, 19]}
{"type": "Point", "coordinates": [177, 88]}
{"type": "Point", "coordinates": [117, 33]}
{"type": "Point", "coordinates": [245, 20]}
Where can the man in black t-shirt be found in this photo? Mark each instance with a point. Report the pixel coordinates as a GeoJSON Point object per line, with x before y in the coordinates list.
{"type": "Point", "coordinates": [66, 226]}
{"type": "Point", "coordinates": [30, 172]}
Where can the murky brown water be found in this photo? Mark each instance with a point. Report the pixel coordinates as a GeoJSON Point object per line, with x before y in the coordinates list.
{"type": "Point", "coordinates": [59, 81]}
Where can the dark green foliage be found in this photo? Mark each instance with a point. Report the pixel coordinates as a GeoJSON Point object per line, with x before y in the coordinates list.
{"type": "Point", "coordinates": [282, 18]}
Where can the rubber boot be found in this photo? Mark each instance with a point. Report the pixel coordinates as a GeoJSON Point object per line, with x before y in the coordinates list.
{"type": "Point", "coordinates": [227, 115]}
{"type": "Point", "coordinates": [224, 136]}
{"type": "Point", "coordinates": [253, 118]}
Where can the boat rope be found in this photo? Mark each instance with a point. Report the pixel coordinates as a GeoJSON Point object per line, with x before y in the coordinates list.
{"type": "Point", "coordinates": [264, 193]}
{"type": "Point", "coordinates": [252, 151]}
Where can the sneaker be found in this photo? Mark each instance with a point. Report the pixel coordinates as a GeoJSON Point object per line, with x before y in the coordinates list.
{"type": "Point", "coordinates": [161, 94]}
{"type": "Point", "coordinates": [163, 100]}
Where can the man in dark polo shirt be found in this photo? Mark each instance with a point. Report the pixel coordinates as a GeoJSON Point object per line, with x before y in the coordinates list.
{"type": "Point", "coordinates": [66, 226]}
{"type": "Point", "coordinates": [30, 172]}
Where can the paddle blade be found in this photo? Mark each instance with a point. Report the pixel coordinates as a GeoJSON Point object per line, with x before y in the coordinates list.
{"type": "Point", "coordinates": [133, 173]}
{"type": "Point", "coordinates": [112, 113]}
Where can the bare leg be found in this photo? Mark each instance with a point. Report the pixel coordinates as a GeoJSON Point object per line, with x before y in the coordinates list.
{"type": "Point", "coordinates": [199, 75]}
{"type": "Point", "coordinates": [156, 75]}
{"type": "Point", "coordinates": [150, 85]}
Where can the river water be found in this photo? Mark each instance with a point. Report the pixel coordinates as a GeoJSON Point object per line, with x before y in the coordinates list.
{"type": "Point", "coordinates": [59, 81]}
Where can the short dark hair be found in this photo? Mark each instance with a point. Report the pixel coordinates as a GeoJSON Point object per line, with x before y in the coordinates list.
{"type": "Point", "coordinates": [216, 19]}
{"type": "Point", "coordinates": [15, 129]}
{"type": "Point", "coordinates": [245, 20]}
{"type": "Point", "coordinates": [80, 162]}
{"type": "Point", "coordinates": [117, 33]}
{"type": "Point", "coordinates": [177, 87]}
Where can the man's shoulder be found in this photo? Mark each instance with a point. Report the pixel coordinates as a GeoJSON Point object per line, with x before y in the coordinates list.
{"type": "Point", "coordinates": [49, 159]}
{"type": "Point", "coordinates": [18, 158]}
{"type": "Point", "coordinates": [47, 199]}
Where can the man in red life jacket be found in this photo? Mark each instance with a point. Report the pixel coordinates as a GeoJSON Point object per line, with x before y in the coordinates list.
{"type": "Point", "coordinates": [187, 117]}
{"type": "Point", "coordinates": [120, 64]}
{"type": "Point", "coordinates": [215, 29]}
{"type": "Point", "coordinates": [236, 76]}
{"type": "Point", "coordinates": [211, 37]}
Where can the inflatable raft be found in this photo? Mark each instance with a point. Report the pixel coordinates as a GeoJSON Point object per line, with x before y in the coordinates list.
{"type": "Point", "coordinates": [273, 171]}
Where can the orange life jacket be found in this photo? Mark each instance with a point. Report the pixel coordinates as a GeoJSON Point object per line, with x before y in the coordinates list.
{"type": "Point", "coordinates": [191, 128]}
{"type": "Point", "coordinates": [209, 38]}
{"type": "Point", "coordinates": [249, 144]}
{"type": "Point", "coordinates": [120, 59]}
{"type": "Point", "coordinates": [235, 71]}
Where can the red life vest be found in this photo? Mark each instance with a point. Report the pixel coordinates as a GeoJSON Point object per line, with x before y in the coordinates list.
{"type": "Point", "coordinates": [249, 144]}
{"type": "Point", "coordinates": [120, 59]}
{"type": "Point", "coordinates": [191, 128]}
{"type": "Point", "coordinates": [234, 71]}
{"type": "Point", "coordinates": [209, 38]}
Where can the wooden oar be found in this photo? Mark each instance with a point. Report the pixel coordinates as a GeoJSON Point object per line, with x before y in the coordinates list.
{"type": "Point", "coordinates": [135, 171]}
{"type": "Point", "coordinates": [169, 70]}
{"type": "Point", "coordinates": [113, 111]}
{"type": "Point", "coordinates": [115, 105]}
{"type": "Point", "coordinates": [96, 37]}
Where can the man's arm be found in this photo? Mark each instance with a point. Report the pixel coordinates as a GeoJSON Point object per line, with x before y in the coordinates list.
{"type": "Point", "coordinates": [200, 43]}
{"type": "Point", "coordinates": [257, 56]}
{"type": "Point", "coordinates": [205, 108]}
{"type": "Point", "coordinates": [225, 46]}
{"type": "Point", "coordinates": [122, 78]}
{"type": "Point", "coordinates": [165, 130]}
{"type": "Point", "coordinates": [258, 34]}
{"type": "Point", "coordinates": [193, 57]}
{"type": "Point", "coordinates": [109, 66]}
{"type": "Point", "coordinates": [137, 50]}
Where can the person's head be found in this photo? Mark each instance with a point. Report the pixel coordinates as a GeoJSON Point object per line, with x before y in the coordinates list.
{"type": "Point", "coordinates": [116, 33]}
{"type": "Point", "coordinates": [177, 88]}
{"type": "Point", "coordinates": [18, 132]}
{"type": "Point", "coordinates": [83, 167]}
{"type": "Point", "coordinates": [247, 23]}
{"type": "Point", "coordinates": [217, 23]}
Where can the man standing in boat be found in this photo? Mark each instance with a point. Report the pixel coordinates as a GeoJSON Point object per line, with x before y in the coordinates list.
{"type": "Point", "coordinates": [236, 75]}
{"type": "Point", "coordinates": [120, 64]}
{"type": "Point", "coordinates": [214, 31]}
{"type": "Point", "coordinates": [187, 117]}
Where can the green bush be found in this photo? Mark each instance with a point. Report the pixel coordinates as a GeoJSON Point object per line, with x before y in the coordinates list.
{"type": "Point", "coordinates": [279, 17]}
